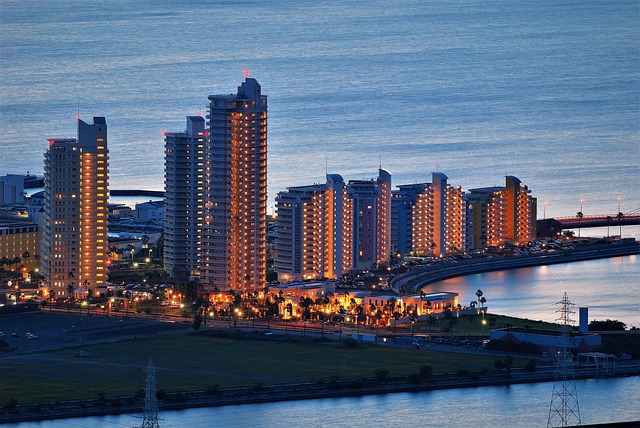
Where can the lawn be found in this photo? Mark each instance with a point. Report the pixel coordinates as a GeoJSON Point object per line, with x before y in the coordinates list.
{"type": "Point", "coordinates": [193, 361]}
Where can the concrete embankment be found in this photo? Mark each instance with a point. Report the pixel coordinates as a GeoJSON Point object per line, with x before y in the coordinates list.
{"type": "Point", "coordinates": [417, 278]}
{"type": "Point", "coordinates": [301, 391]}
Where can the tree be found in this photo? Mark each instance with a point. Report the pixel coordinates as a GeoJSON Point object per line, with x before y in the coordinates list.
{"type": "Point", "coordinates": [89, 297]}
{"type": "Point", "coordinates": [508, 362]}
{"type": "Point", "coordinates": [430, 320]}
{"type": "Point", "coordinates": [392, 304]}
{"type": "Point", "coordinates": [70, 291]}
{"type": "Point", "coordinates": [607, 325]}
{"type": "Point", "coordinates": [131, 249]}
{"type": "Point", "coordinates": [479, 294]}
{"type": "Point", "coordinates": [452, 322]}
{"type": "Point", "coordinates": [483, 300]}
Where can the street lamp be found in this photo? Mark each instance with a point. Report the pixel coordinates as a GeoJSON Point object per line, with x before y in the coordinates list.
{"type": "Point", "coordinates": [580, 215]}
{"type": "Point", "coordinates": [620, 215]}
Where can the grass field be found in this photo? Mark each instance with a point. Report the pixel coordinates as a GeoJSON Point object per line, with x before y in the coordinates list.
{"type": "Point", "coordinates": [190, 362]}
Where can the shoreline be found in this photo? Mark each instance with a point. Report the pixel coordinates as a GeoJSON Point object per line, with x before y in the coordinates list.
{"type": "Point", "coordinates": [292, 392]}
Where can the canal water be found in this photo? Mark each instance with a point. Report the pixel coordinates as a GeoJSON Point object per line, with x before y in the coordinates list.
{"type": "Point", "coordinates": [610, 288]}
{"type": "Point", "coordinates": [525, 405]}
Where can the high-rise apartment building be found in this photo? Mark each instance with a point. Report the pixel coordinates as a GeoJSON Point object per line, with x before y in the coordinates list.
{"type": "Point", "coordinates": [500, 215]}
{"type": "Point", "coordinates": [184, 193]}
{"type": "Point", "coordinates": [428, 218]}
{"type": "Point", "coordinates": [76, 177]}
{"type": "Point", "coordinates": [370, 205]}
{"type": "Point", "coordinates": [520, 211]}
{"type": "Point", "coordinates": [303, 239]}
{"type": "Point", "coordinates": [233, 255]}
{"type": "Point", "coordinates": [329, 230]}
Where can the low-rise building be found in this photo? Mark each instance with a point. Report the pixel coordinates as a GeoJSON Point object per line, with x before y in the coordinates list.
{"type": "Point", "coordinates": [550, 341]}
{"type": "Point", "coordinates": [11, 189]}
{"type": "Point", "coordinates": [150, 211]}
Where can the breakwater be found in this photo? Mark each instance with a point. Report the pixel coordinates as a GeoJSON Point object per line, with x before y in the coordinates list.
{"type": "Point", "coordinates": [136, 192]}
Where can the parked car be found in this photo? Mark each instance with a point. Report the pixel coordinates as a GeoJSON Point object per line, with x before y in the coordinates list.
{"type": "Point", "coordinates": [14, 334]}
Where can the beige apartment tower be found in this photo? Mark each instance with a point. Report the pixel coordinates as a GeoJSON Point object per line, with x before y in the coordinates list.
{"type": "Point", "coordinates": [76, 178]}
{"type": "Point", "coordinates": [233, 255]}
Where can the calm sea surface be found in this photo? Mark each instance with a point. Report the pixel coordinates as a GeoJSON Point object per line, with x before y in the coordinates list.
{"type": "Point", "coordinates": [548, 91]}
{"type": "Point", "coordinates": [527, 405]}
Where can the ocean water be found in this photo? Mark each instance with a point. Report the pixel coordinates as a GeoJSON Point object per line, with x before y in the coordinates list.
{"type": "Point", "coordinates": [547, 91]}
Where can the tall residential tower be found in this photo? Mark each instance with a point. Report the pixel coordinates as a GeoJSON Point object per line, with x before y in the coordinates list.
{"type": "Point", "coordinates": [184, 175]}
{"type": "Point", "coordinates": [233, 255]}
{"type": "Point", "coordinates": [76, 176]}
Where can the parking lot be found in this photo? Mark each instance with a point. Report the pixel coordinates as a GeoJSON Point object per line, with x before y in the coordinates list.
{"type": "Point", "coordinates": [54, 329]}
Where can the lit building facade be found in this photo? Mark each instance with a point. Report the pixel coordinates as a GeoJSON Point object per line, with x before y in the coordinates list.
{"type": "Point", "coordinates": [407, 226]}
{"type": "Point", "coordinates": [500, 215]}
{"type": "Point", "coordinates": [328, 230]}
{"type": "Point", "coordinates": [75, 217]}
{"type": "Point", "coordinates": [485, 225]}
{"type": "Point", "coordinates": [16, 240]}
{"type": "Point", "coordinates": [428, 218]}
{"type": "Point", "coordinates": [183, 208]}
{"type": "Point", "coordinates": [303, 239]}
{"type": "Point", "coordinates": [233, 255]}
{"type": "Point", "coordinates": [520, 211]}
{"type": "Point", "coordinates": [369, 202]}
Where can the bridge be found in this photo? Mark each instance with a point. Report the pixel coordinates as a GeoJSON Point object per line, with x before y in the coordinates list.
{"type": "Point", "coordinates": [555, 226]}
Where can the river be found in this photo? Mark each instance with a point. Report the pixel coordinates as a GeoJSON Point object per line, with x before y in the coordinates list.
{"type": "Point", "coordinates": [523, 405]}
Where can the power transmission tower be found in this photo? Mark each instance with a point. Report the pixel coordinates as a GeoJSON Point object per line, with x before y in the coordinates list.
{"type": "Point", "coordinates": [564, 410]}
{"type": "Point", "coordinates": [150, 419]}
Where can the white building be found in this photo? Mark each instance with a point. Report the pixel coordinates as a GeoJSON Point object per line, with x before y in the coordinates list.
{"type": "Point", "coordinates": [150, 211]}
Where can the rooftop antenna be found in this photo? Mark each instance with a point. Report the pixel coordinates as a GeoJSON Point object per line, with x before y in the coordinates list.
{"type": "Point", "coordinates": [380, 164]}
{"type": "Point", "coordinates": [326, 165]}
{"type": "Point", "coordinates": [78, 118]}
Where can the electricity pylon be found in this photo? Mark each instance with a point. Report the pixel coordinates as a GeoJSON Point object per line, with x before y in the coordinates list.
{"type": "Point", "coordinates": [150, 419]}
{"type": "Point", "coordinates": [564, 410]}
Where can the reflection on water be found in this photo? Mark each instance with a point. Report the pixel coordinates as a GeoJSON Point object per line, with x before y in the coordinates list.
{"type": "Point", "coordinates": [609, 287]}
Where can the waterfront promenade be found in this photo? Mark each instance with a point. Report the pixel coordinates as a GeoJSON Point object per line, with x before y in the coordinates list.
{"type": "Point", "coordinates": [417, 278]}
